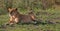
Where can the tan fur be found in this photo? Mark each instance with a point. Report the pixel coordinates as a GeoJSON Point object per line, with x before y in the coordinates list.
{"type": "Point", "coordinates": [16, 17]}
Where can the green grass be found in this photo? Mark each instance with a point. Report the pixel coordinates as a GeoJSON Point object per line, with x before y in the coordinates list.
{"type": "Point", "coordinates": [52, 16]}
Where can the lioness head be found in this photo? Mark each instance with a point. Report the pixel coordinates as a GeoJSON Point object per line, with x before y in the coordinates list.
{"type": "Point", "coordinates": [12, 11]}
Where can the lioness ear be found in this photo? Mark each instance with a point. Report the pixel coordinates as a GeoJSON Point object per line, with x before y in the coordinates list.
{"type": "Point", "coordinates": [9, 8]}
{"type": "Point", "coordinates": [15, 8]}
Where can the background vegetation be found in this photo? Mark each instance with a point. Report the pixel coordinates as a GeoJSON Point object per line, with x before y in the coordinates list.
{"type": "Point", "coordinates": [47, 11]}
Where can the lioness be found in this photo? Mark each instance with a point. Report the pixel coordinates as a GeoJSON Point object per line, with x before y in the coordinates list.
{"type": "Point", "coordinates": [16, 17]}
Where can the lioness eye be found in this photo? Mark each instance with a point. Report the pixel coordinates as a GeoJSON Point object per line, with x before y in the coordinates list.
{"type": "Point", "coordinates": [11, 12]}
